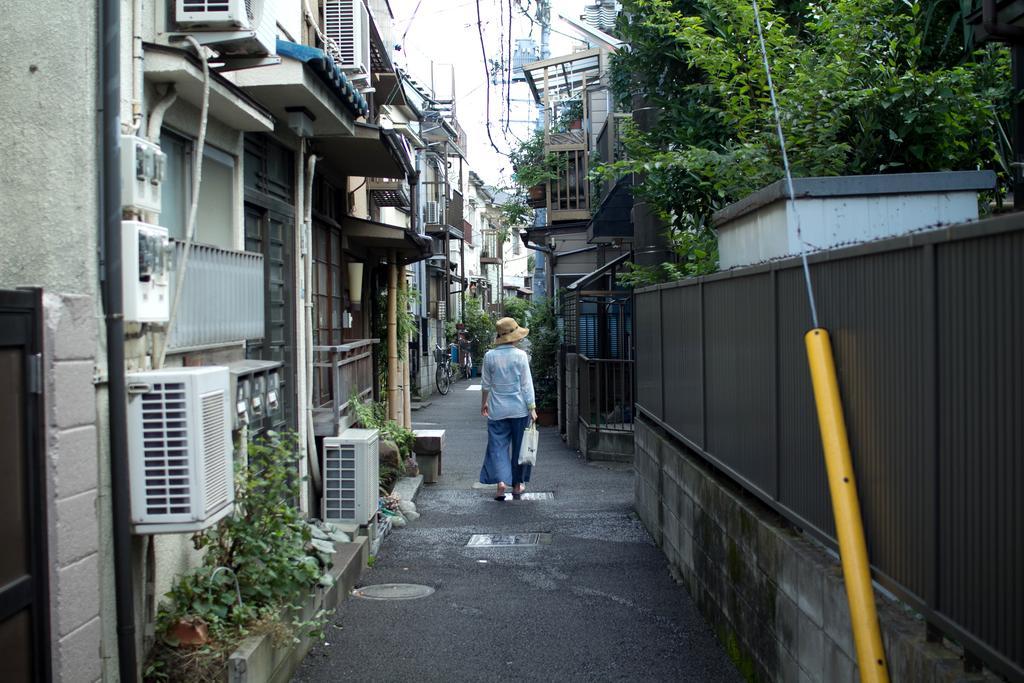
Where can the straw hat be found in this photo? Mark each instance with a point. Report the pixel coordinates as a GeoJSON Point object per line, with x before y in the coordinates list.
{"type": "Point", "coordinates": [509, 331]}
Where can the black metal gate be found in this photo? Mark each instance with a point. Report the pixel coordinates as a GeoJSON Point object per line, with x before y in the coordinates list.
{"type": "Point", "coordinates": [24, 592]}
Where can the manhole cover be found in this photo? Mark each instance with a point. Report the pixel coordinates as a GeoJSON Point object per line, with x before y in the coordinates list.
{"type": "Point", "coordinates": [393, 591]}
{"type": "Point", "coordinates": [506, 540]}
{"type": "Point", "coordinates": [532, 495]}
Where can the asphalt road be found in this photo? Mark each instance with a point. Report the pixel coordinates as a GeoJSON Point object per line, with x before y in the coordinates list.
{"type": "Point", "coordinates": [595, 603]}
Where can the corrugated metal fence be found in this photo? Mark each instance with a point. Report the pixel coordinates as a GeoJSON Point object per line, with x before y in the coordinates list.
{"type": "Point", "coordinates": [928, 333]}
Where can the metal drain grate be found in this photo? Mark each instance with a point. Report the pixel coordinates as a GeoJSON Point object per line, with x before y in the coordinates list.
{"type": "Point", "coordinates": [393, 591]}
{"type": "Point", "coordinates": [507, 540]}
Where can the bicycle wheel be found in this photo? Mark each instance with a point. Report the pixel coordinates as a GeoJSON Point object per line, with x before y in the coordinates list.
{"type": "Point", "coordinates": [442, 379]}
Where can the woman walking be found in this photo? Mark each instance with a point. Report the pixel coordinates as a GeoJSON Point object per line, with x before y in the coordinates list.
{"type": "Point", "coordinates": [507, 402]}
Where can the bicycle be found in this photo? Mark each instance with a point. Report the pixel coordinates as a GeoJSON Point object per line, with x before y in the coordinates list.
{"type": "Point", "coordinates": [444, 373]}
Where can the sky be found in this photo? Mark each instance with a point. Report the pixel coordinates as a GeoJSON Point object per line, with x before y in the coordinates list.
{"type": "Point", "coordinates": [445, 32]}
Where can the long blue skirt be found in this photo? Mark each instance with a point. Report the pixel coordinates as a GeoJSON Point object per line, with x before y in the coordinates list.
{"type": "Point", "coordinates": [501, 462]}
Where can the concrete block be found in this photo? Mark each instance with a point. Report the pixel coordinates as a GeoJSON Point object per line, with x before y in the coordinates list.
{"type": "Point", "coordinates": [77, 528]}
{"type": "Point", "coordinates": [769, 550]}
{"type": "Point", "coordinates": [71, 326]}
{"type": "Point", "coordinates": [77, 656]}
{"type": "Point", "coordinates": [669, 525]}
{"type": "Point", "coordinates": [812, 582]}
{"type": "Point", "coordinates": [838, 667]}
{"type": "Point", "coordinates": [77, 594]}
{"type": "Point", "coordinates": [685, 511]}
{"type": "Point", "coordinates": [429, 466]}
{"type": "Point", "coordinates": [810, 647]}
{"type": "Point", "coordinates": [836, 612]}
{"type": "Point", "coordinates": [428, 441]}
{"type": "Point", "coordinates": [72, 397]}
{"type": "Point", "coordinates": [787, 622]}
{"type": "Point", "coordinates": [74, 459]}
{"type": "Point", "coordinates": [788, 576]}
{"type": "Point", "coordinates": [686, 549]}
{"type": "Point", "coordinates": [788, 671]}
{"type": "Point", "coordinates": [670, 495]}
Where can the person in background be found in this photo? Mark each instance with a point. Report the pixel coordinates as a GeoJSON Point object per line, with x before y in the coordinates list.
{"type": "Point", "coordinates": [508, 403]}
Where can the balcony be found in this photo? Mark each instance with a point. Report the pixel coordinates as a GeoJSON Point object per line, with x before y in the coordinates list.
{"type": "Point", "coordinates": [568, 195]}
{"type": "Point", "coordinates": [222, 299]}
{"type": "Point", "coordinates": [443, 215]}
{"type": "Point", "coordinates": [391, 192]}
{"type": "Point", "coordinates": [610, 149]}
{"type": "Point", "coordinates": [339, 373]}
{"type": "Point", "coordinates": [490, 247]}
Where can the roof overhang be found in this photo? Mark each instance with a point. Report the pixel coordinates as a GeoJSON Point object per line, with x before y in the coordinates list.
{"type": "Point", "coordinates": [379, 240]}
{"type": "Point", "coordinates": [368, 152]}
{"type": "Point", "coordinates": [538, 234]}
{"type": "Point", "coordinates": [228, 103]}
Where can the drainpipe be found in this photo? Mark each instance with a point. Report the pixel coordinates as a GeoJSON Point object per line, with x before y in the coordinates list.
{"type": "Point", "coordinates": [307, 304]}
{"type": "Point", "coordinates": [113, 304]}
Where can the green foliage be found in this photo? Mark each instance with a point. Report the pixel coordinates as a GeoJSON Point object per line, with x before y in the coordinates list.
{"type": "Point", "coordinates": [864, 86]}
{"type": "Point", "coordinates": [480, 326]}
{"type": "Point", "coordinates": [519, 309]}
{"type": "Point", "coordinates": [530, 164]}
{"type": "Point", "coordinates": [374, 415]}
{"type": "Point", "coordinates": [544, 343]}
{"type": "Point", "coordinates": [258, 565]}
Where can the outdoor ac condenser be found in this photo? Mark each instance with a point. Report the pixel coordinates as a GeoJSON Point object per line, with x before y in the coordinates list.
{"type": "Point", "coordinates": [347, 23]}
{"type": "Point", "coordinates": [233, 27]}
{"type": "Point", "coordinates": [179, 448]}
{"type": "Point", "coordinates": [433, 212]}
{"type": "Point", "coordinates": [351, 478]}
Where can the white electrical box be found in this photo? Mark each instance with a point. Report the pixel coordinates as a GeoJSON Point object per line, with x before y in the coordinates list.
{"type": "Point", "coordinates": [179, 449]}
{"type": "Point", "coordinates": [351, 478]}
{"type": "Point", "coordinates": [146, 255]}
{"type": "Point", "coordinates": [142, 172]}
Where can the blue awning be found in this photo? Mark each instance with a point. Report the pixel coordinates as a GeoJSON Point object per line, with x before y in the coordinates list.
{"type": "Point", "coordinates": [324, 67]}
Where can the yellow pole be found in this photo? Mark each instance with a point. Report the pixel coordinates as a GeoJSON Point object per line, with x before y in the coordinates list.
{"type": "Point", "coordinates": [853, 551]}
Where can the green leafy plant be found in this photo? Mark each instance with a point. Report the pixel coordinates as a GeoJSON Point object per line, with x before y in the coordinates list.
{"type": "Point", "coordinates": [373, 415]}
{"type": "Point", "coordinates": [519, 309]}
{"type": "Point", "coordinates": [532, 166]}
{"type": "Point", "coordinates": [258, 565]}
{"type": "Point", "coordinates": [864, 86]}
{"type": "Point", "coordinates": [544, 341]}
{"type": "Point", "coordinates": [480, 327]}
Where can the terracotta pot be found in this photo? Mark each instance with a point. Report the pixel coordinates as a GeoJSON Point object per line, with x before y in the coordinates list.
{"type": "Point", "coordinates": [188, 632]}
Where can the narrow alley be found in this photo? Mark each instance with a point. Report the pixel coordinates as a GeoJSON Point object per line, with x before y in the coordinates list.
{"type": "Point", "coordinates": [593, 600]}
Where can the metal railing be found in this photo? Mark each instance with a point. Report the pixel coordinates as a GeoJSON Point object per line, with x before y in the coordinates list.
{"type": "Point", "coordinates": [490, 245]}
{"type": "Point", "coordinates": [222, 299]}
{"type": "Point", "coordinates": [339, 372]}
{"type": "Point", "coordinates": [927, 337]}
{"type": "Point", "coordinates": [605, 393]}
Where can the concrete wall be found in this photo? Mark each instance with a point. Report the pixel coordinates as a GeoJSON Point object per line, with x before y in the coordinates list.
{"type": "Point", "coordinates": [49, 181]}
{"type": "Point", "coordinates": [775, 598]}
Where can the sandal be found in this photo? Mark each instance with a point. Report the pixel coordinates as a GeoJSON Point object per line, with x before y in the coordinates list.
{"type": "Point", "coordinates": [517, 495]}
{"type": "Point", "coordinates": [501, 493]}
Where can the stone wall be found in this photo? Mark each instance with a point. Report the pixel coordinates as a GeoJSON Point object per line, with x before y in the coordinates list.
{"type": "Point", "coordinates": [775, 599]}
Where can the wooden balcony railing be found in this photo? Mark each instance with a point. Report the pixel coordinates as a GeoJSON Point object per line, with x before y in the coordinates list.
{"type": "Point", "coordinates": [568, 195]}
{"type": "Point", "coordinates": [339, 372]}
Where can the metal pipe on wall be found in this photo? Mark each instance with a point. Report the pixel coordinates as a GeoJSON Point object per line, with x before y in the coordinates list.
{"type": "Point", "coordinates": [113, 304]}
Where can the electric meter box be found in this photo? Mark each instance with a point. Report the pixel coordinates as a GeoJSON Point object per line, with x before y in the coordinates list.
{"type": "Point", "coordinates": [146, 254]}
{"type": "Point", "coordinates": [257, 395]}
{"type": "Point", "coordinates": [142, 172]}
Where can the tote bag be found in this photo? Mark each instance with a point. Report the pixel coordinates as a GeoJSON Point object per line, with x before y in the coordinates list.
{"type": "Point", "coordinates": [528, 451]}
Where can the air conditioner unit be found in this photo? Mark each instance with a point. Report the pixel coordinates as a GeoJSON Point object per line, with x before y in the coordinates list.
{"type": "Point", "coordinates": [179, 447]}
{"type": "Point", "coordinates": [347, 23]}
{"type": "Point", "coordinates": [233, 27]}
{"type": "Point", "coordinates": [433, 212]}
{"type": "Point", "coordinates": [351, 478]}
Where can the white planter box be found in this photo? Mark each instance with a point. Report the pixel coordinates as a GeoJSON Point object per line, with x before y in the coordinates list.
{"type": "Point", "coordinates": [843, 210]}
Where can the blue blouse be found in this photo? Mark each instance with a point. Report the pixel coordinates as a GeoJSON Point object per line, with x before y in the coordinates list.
{"type": "Point", "coordinates": [506, 375]}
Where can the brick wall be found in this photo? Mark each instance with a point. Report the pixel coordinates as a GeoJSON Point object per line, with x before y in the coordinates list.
{"type": "Point", "coordinates": [774, 598]}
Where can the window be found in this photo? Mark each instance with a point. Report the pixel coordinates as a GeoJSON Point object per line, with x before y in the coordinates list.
{"type": "Point", "coordinates": [215, 216]}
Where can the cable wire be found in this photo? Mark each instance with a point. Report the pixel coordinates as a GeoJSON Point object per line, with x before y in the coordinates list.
{"type": "Point", "coordinates": [487, 75]}
{"type": "Point", "coordinates": [785, 165]}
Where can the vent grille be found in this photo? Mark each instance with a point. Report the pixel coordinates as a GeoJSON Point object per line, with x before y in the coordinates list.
{"type": "Point", "coordinates": [340, 483]}
{"type": "Point", "coordinates": [215, 455]}
{"type": "Point", "coordinates": [340, 26]}
{"type": "Point", "coordinates": [206, 6]}
{"type": "Point", "coordinates": [165, 450]}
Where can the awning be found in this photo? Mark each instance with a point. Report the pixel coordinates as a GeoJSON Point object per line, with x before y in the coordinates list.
{"type": "Point", "coordinates": [379, 240]}
{"type": "Point", "coordinates": [369, 152]}
{"type": "Point", "coordinates": [566, 74]}
{"type": "Point", "coordinates": [305, 80]}
{"type": "Point", "coordinates": [228, 104]}
{"type": "Point", "coordinates": [607, 269]}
